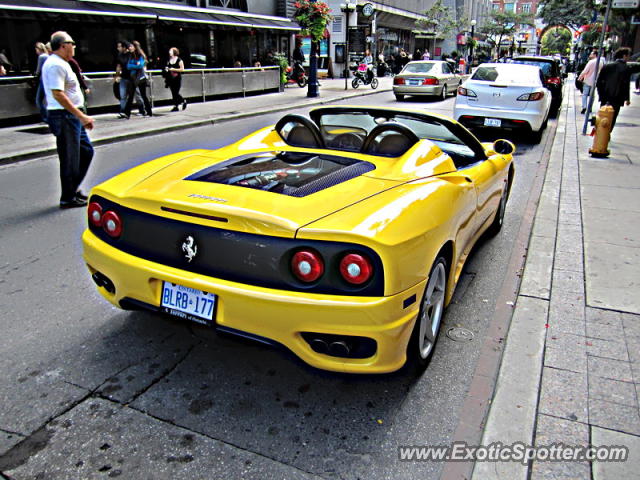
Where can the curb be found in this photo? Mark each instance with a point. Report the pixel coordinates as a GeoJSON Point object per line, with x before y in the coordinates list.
{"type": "Point", "coordinates": [186, 125]}
{"type": "Point", "coordinates": [513, 412]}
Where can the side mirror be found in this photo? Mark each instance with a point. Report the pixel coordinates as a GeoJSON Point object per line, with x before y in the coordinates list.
{"type": "Point", "coordinates": [504, 147]}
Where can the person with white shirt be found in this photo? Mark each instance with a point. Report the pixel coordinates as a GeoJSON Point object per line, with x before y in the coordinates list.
{"type": "Point", "coordinates": [588, 78]}
{"type": "Point", "coordinates": [67, 121]}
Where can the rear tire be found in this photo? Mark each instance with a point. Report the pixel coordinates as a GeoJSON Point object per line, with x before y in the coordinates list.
{"type": "Point", "coordinates": [302, 81]}
{"type": "Point", "coordinates": [425, 331]}
{"type": "Point", "coordinates": [536, 137]}
{"type": "Point", "coordinates": [374, 83]}
{"type": "Point", "coordinates": [399, 97]}
{"type": "Point", "coordinates": [355, 83]}
{"type": "Point", "coordinates": [443, 95]}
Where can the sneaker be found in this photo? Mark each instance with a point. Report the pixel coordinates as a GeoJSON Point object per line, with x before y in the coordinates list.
{"type": "Point", "coordinates": [81, 196]}
{"type": "Point", "coordinates": [184, 104]}
{"type": "Point", "coordinates": [175, 109]}
{"type": "Point", "coordinates": [75, 203]}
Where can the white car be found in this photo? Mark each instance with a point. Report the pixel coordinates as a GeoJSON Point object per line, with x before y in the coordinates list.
{"type": "Point", "coordinates": [507, 96]}
{"type": "Point", "coordinates": [434, 78]}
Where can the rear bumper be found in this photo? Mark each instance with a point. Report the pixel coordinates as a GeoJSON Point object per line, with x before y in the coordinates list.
{"type": "Point", "coordinates": [418, 90]}
{"type": "Point", "coordinates": [277, 315]}
{"type": "Point", "coordinates": [471, 116]}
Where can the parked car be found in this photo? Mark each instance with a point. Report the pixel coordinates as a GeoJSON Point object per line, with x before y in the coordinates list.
{"type": "Point", "coordinates": [507, 96]}
{"type": "Point", "coordinates": [339, 237]}
{"type": "Point", "coordinates": [430, 77]}
{"type": "Point", "coordinates": [553, 76]}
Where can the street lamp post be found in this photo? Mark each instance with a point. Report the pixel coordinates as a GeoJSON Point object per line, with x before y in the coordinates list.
{"type": "Point", "coordinates": [473, 31]}
{"type": "Point", "coordinates": [346, 8]}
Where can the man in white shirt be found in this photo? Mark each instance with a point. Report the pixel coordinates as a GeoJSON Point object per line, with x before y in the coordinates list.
{"type": "Point", "coordinates": [66, 121]}
{"type": "Point", "coordinates": [588, 77]}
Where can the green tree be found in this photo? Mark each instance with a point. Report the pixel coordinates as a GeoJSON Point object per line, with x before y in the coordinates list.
{"type": "Point", "coordinates": [441, 20]}
{"type": "Point", "coordinates": [572, 13]}
{"type": "Point", "coordinates": [556, 40]}
{"type": "Point", "coordinates": [502, 25]}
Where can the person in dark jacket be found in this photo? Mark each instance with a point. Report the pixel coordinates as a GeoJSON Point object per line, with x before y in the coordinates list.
{"type": "Point", "coordinates": [614, 82]}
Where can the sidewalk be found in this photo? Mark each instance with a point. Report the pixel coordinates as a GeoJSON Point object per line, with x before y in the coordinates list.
{"type": "Point", "coordinates": [571, 366]}
{"type": "Point", "coordinates": [29, 141]}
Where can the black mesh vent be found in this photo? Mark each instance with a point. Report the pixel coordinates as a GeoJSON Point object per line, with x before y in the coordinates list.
{"type": "Point", "coordinates": [332, 179]}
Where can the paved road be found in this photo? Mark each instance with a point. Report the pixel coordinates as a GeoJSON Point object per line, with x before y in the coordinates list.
{"type": "Point", "coordinates": [98, 392]}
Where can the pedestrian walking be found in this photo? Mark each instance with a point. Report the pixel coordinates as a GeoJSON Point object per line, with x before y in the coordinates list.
{"type": "Point", "coordinates": [41, 102]}
{"type": "Point", "coordinates": [122, 74]}
{"type": "Point", "coordinates": [173, 71]}
{"type": "Point", "coordinates": [588, 78]}
{"type": "Point", "coordinates": [613, 82]}
{"type": "Point", "coordinates": [67, 122]}
{"type": "Point", "coordinates": [138, 78]}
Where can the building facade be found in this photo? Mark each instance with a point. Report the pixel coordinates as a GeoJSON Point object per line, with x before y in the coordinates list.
{"type": "Point", "coordinates": [208, 33]}
{"type": "Point", "coordinates": [526, 37]}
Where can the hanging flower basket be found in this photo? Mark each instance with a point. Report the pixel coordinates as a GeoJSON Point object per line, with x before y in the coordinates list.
{"type": "Point", "coordinates": [312, 18]}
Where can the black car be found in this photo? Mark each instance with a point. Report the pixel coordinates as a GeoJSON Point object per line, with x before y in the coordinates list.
{"type": "Point", "coordinates": [553, 77]}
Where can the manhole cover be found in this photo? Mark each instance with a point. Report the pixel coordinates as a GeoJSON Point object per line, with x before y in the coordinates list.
{"type": "Point", "coordinates": [459, 334]}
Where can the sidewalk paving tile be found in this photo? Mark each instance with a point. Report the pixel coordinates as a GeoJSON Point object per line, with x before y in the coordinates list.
{"type": "Point", "coordinates": [614, 391]}
{"type": "Point", "coordinates": [617, 227]}
{"type": "Point", "coordinates": [536, 281]}
{"type": "Point", "coordinates": [611, 369]}
{"type": "Point", "coordinates": [616, 470]}
{"type": "Point", "coordinates": [616, 350]}
{"type": "Point", "coordinates": [569, 260]}
{"type": "Point", "coordinates": [617, 290]}
{"type": "Point", "coordinates": [564, 394]}
{"type": "Point", "coordinates": [544, 227]}
{"type": "Point", "coordinates": [566, 352]}
{"type": "Point", "coordinates": [633, 347]}
{"type": "Point", "coordinates": [613, 416]}
{"type": "Point", "coordinates": [631, 324]}
{"type": "Point", "coordinates": [565, 281]}
{"type": "Point", "coordinates": [610, 197]}
{"type": "Point", "coordinates": [551, 430]}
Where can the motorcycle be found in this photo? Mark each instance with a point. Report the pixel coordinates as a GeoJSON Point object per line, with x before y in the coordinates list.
{"type": "Point", "coordinates": [364, 75]}
{"type": "Point", "coordinates": [296, 74]}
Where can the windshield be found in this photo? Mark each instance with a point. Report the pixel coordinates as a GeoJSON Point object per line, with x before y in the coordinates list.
{"type": "Point", "coordinates": [419, 68]}
{"type": "Point", "coordinates": [505, 74]}
{"type": "Point", "coordinates": [347, 130]}
{"type": "Point", "coordinates": [546, 67]}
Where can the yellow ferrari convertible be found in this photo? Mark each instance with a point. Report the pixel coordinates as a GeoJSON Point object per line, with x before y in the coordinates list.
{"type": "Point", "coordinates": [340, 236]}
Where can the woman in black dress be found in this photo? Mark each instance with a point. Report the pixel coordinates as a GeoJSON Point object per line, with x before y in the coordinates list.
{"type": "Point", "coordinates": [173, 71]}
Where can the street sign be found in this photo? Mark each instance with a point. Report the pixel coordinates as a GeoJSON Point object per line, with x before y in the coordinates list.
{"type": "Point", "coordinates": [625, 4]}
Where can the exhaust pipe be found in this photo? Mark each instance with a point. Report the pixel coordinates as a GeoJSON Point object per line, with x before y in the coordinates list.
{"type": "Point", "coordinates": [339, 349]}
{"type": "Point", "coordinates": [103, 281]}
{"type": "Point", "coordinates": [320, 346]}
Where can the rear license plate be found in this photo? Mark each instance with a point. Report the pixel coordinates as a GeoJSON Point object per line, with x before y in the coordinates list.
{"type": "Point", "coordinates": [492, 122]}
{"type": "Point", "coordinates": [414, 83]}
{"type": "Point", "coordinates": [188, 303]}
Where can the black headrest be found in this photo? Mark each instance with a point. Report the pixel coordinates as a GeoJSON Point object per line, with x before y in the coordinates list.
{"type": "Point", "coordinates": [390, 139]}
{"type": "Point", "coordinates": [300, 131]}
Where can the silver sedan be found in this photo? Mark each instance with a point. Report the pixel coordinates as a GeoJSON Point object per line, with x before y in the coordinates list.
{"type": "Point", "coordinates": [430, 77]}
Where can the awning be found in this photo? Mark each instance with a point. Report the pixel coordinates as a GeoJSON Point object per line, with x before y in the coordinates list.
{"type": "Point", "coordinates": [75, 8]}
{"type": "Point", "coordinates": [150, 11]}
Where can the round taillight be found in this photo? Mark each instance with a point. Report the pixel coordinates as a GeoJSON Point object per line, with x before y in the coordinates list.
{"type": "Point", "coordinates": [307, 265]}
{"type": "Point", "coordinates": [94, 211]}
{"type": "Point", "coordinates": [356, 269]}
{"type": "Point", "coordinates": [112, 224]}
